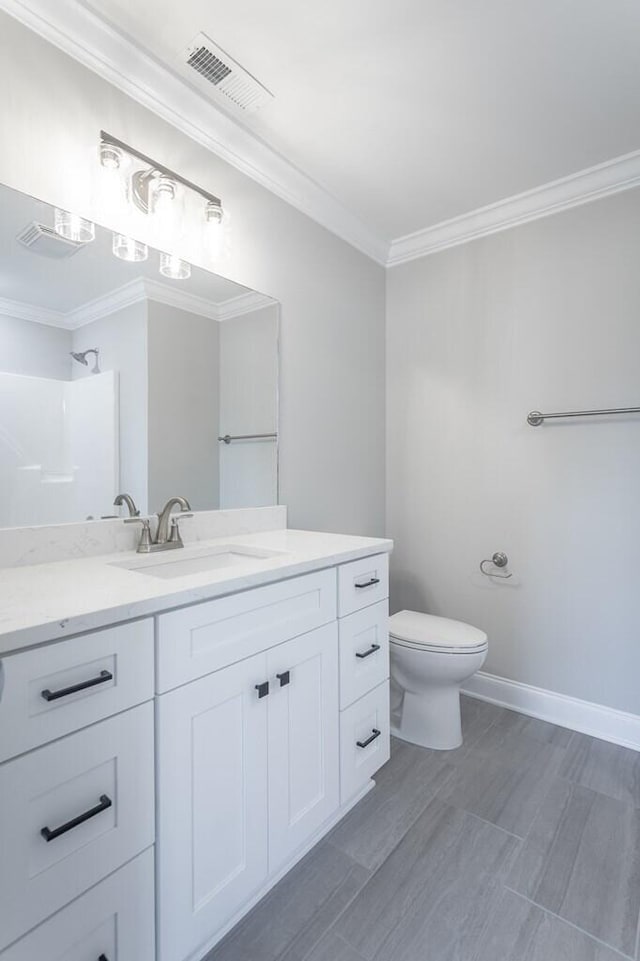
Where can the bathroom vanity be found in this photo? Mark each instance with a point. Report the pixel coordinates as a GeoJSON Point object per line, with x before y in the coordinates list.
{"type": "Point", "coordinates": [173, 740]}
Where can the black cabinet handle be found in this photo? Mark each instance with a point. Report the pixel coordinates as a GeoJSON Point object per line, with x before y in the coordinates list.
{"type": "Point", "coordinates": [374, 734]}
{"type": "Point", "coordinates": [284, 678]}
{"type": "Point", "coordinates": [102, 678]}
{"type": "Point", "coordinates": [103, 957]}
{"type": "Point", "coordinates": [369, 583]}
{"type": "Point", "coordinates": [49, 835]}
{"type": "Point", "coordinates": [262, 689]}
{"type": "Point", "coordinates": [372, 650]}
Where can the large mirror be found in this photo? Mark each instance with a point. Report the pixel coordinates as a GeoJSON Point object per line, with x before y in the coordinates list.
{"type": "Point", "coordinates": [115, 378]}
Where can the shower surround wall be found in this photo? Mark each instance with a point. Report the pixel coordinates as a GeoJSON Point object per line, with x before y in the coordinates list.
{"type": "Point", "coordinates": [58, 448]}
{"type": "Point", "coordinates": [543, 317]}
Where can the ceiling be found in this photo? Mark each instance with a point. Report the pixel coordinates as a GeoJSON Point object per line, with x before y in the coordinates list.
{"type": "Point", "coordinates": [413, 112]}
{"type": "Point", "coordinates": [91, 273]}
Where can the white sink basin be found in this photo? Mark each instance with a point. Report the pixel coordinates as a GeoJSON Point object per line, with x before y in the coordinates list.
{"type": "Point", "coordinates": [190, 561]}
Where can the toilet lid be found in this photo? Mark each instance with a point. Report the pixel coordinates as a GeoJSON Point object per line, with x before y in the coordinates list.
{"type": "Point", "coordinates": [426, 631]}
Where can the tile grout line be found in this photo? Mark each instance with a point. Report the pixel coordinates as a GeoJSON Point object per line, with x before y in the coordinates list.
{"type": "Point", "coordinates": [576, 927]}
{"type": "Point", "coordinates": [375, 870]}
{"type": "Point", "coordinates": [330, 928]}
{"type": "Point", "coordinates": [472, 814]}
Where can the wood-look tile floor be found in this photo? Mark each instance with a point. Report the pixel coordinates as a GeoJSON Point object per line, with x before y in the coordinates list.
{"type": "Point", "coordinates": [523, 845]}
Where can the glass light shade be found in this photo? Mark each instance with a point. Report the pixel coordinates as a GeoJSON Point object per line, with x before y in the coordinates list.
{"type": "Point", "coordinates": [174, 268]}
{"type": "Point", "coordinates": [72, 227]}
{"type": "Point", "coordinates": [162, 191]}
{"type": "Point", "coordinates": [126, 248]}
{"type": "Point", "coordinates": [110, 156]}
{"type": "Point", "coordinates": [215, 219]}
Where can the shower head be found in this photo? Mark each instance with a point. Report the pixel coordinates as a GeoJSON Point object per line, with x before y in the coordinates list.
{"type": "Point", "coordinates": [81, 357]}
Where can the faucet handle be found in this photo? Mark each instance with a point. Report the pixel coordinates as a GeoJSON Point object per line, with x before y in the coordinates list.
{"type": "Point", "coordinates": [174, 535]}
{"type": "Point", "coordinates": [144, 544]}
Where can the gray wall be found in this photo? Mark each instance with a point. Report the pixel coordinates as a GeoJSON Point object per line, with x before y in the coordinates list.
{"type": "Point", "coordinates": [183, 375]}
{"type": "Point", "coordinates": [332, 296]}
{"type": "Point", "coordinates": [34, 349]}
{"type": "Point", "coordinates": [545, 316]}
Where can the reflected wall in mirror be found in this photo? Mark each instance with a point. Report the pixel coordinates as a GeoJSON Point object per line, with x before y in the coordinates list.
{"type": "Point", "coordinates": [114, 378]}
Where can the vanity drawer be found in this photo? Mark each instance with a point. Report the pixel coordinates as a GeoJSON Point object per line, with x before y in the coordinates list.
{"type": "Point", "coordinates": [364, 740]}
{"type": "Point", "coordinates": [362, 583]}
{"type": "Point", "coordinates": [114, 920]}
{"type": "Point", "coordinates": [52, 691]}
{"type": "Point", "coordinates": [364, 651]}
{"type": "Point", "coordinates": [198, 640]}
{"type": "Point", "coordinates": [71, 813]}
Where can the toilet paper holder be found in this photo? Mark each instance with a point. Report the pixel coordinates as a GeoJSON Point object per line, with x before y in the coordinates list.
{"type": "Point", "coordinates": [499, 559]}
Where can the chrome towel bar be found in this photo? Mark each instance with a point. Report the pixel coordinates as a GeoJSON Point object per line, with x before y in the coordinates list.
{"type": "Point", "coordinates": [229, 437]}
{"type": "Point", "coordinates": [535, 418]}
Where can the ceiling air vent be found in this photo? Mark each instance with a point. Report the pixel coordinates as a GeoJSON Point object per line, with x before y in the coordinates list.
{"type": "Point", "coordinates": [229, 80]}
{"type": "Point", "coordinates": [46, 242]}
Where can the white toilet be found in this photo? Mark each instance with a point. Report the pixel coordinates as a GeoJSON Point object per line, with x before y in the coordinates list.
{"type": "Point", "coordinates": [430, 658]}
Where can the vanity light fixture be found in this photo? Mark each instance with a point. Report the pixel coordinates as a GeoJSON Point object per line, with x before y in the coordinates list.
{"type": "Point", "coordinates": [126, 248]}
{"type": "Point", "coordinates": [73, 227]}
{"type": "Point", "coordinates": [153, 189]}
{"type": "Point", "coordinates": [174, 268]}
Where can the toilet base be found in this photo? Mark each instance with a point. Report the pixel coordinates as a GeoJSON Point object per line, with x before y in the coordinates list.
{"type": "Point", "coordinates": [430, 719]}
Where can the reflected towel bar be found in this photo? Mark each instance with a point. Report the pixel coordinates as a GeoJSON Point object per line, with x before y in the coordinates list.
{"type": "Point", "coordinates": [535, 418]}
{"type": "Point", "coordinates": [229, 437]}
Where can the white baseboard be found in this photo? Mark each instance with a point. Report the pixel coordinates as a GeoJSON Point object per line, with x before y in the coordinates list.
{"type": "Point", "coordinates": [596, 720]}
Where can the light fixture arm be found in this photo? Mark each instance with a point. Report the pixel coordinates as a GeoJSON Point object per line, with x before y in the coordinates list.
{"type": "Point", "coordinates": [107, 138]}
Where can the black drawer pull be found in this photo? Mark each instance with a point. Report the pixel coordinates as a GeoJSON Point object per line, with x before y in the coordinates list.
{"type": "Point", "coordinates": [49, 835]}
{"type": "Point", "coordinates": [284, 678]}
{"type": "Point", "coordinates": [262, 689]}
{"type": "Point", "coordinates": [374, 734]}
{"type": "Point", "coordinates": [372, 650]}
{"type": "Point", "coordinates": [103, 957]}
{"type": "Point", "coordinates": [82, 686]}
{"type": "Point", "coordinates": [370, 583]}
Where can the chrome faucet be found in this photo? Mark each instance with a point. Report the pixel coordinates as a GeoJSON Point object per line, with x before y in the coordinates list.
{"type": "Point", "coordinates": [129, 501]}
{"type": "Point", "coordinates": [162, 534]}
{"type": "Point", "coordinates": [164, 539]}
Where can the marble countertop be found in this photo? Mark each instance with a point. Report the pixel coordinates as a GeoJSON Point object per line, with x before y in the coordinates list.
{"type": "Point", "coordinates": [47, 602]}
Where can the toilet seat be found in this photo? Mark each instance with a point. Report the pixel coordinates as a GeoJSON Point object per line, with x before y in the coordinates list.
{"type": "Point", "coordinates": [427, 632]}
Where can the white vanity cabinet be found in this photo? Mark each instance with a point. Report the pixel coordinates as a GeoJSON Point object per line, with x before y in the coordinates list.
{"type": "Point", "coordinates": [140, 824]}
{"type": "Point", "coordinates": [250, 754]}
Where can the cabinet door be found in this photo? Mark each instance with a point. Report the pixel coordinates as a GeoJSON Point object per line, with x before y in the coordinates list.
{"type": "Point", "coordinates": [212, 804]}
{"type": "Point", "coordinates": [303, 740]}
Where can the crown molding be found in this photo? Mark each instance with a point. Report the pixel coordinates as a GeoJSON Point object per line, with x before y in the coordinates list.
{"type": "Point", "coordinates": [243, 304]}
{"type": "Point", "coordinates": [84, 35]}
{"type": "Point", "coordinates": [140, 289]}
{"type": "Point", "coordinates": [118, 299]}
{"type": "Point", "coordinates": [181, 299]}
{"type": "Point", "coordinates": [32, 313]}
{"type": "Point", "coordinates": [594, 183]}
